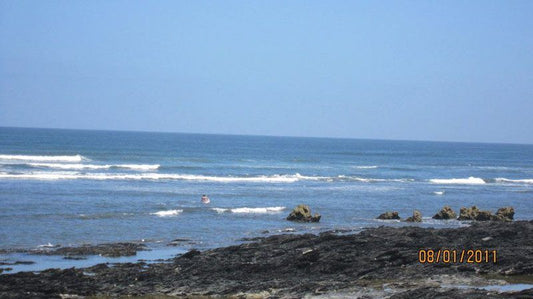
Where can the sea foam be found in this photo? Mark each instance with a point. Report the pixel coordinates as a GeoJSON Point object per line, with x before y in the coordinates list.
{"type": "Point", "coordinates": [520, 181]}
{"type": "Point", "coordinates": [74, 158]}
{"type": "Point", "coordinates": [365, 167]}
{"type": "Point", "coordinates": [167, 213]}
{"type": "Point", "coordinates": [143, 167]}
{"type": "Point", "coordinates": [246, 210]}
{"type": "Point", "coordinates": [151, 176]}
{"type": "Point", "coordinates": [467, 181]}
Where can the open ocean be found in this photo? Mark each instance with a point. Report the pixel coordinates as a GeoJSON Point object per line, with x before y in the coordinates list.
{"type": "Point", "coordinates": [71, 187]}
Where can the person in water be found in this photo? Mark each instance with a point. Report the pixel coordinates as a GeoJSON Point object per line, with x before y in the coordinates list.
{"type": "Point", "coordinates": [205, 199]}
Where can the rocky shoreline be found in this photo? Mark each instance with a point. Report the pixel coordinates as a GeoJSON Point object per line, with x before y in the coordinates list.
{"type": "Point", "coordinates": [378, 262]}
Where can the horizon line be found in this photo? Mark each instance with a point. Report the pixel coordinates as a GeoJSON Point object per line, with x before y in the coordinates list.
{"type": "Point", "coordinates": [263, 135]}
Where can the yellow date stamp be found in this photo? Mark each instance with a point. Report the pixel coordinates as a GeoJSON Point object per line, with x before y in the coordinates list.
{"type": "Point", "coordinates": [457, 256]}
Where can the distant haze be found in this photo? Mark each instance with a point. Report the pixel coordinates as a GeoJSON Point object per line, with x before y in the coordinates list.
{"type": "Point", "coordinates": [413, 70]}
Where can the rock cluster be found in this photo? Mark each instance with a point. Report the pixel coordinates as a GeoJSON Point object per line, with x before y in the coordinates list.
{"type": "Point", "coordinates": [445, 213]}
{"type": "Point", "coordinates": [473, 213]}
{"type": "Point", "coordinates": [417, 217]}
{"type": "Point", "coordinates": [389, 216]}
{"type": "Point", "coordinates": [302, 213]}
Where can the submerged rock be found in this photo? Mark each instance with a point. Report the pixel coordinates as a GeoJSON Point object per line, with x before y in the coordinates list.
{"type": "Point", "coordinates": [389, 216]}
{"type": "Point", "coordinates": [445, 213]}
{"type": "Point", "coordinates": [505, 214]}
{"type": "Point", "coordinates": [302, 213]}
{"type": "Point", "coordinates": [417, 217]}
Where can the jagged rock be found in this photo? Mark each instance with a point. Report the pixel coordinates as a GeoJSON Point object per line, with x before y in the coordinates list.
{"type": "Point", "coordinates": [417, 217]}
{"type": "Point", "coordinates": [302, 213]}
{"type": "Point", "coordinates": [485, 216]}
{"type": "Point", "coordinates": [505, 214]}
{"type": "Point", "coordinates": [445, 213]}
{"type": "Point", "coordinates": [468, 213]}
{"type": "Point", "coordinates": [474, 213]}
{"type": "Point", "coordinates": [389, 216]}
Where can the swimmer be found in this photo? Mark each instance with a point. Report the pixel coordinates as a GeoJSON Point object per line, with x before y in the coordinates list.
{"type": "Point", "coordinates": [205, 199]}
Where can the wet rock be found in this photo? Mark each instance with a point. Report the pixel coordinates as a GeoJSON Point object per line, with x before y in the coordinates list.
{"type": "Point", "coordinates": [505, 214]}
{"type": "Point", "coordinates": [302, 213]}
{"type": "Point", "coordinates": [389, 216]}
{"type": "Point", "coordinates": [468, 213]}
{"type": "Point", "coordinates": [473, 213]}
{"type": "Point", "coordinates": [107, 250]}
{"type": "Point", "coordinates": [297, 265]}
{"type": "Point", "coordinates": [445, 214]}
{"type": "Point", "coordinates": [417, 217]}
{"type": "Point", "coordinates": [484, 216]}
{"type": "Point", "coordinates": [5, 269]}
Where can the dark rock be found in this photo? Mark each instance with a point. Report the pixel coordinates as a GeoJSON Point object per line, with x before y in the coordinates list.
{"type": "Point", "coordinates": [301, 265]}
{"type": "Point", "coordinates": [505, 214]}
{"type": "Point", "coordinates": [417, 217]}
{"type": "Point", "coordinates": [191, 253]}
{"type": "Point", "coordinates": [468, 213]}
{"type": "Point", "coordinates": [445, 213]}
{"type": "Point", "coordinates": [107, 250]}
{"type": "Point", "coordinates": [484, 216]}
{"type": "Point", "coordinates": [389, 216]}
{"type": "Point", "coordinates": [302, 213]}
{"type": "Point", "coordinates": [474, 213]}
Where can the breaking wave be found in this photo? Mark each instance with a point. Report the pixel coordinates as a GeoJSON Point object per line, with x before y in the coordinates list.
{"type": "Point", "coordinates": [167, 213]}
{"type": "Point", "coordinates": [520, 181]}
{"type": "Point", "coordinates": [143, 167]}
{"type": "Point", "coordinates": [74, 158]}
{"type": "Point", "coordinates": [467, 181]}
{"type": "Point", "coordinates": [277, 178]}
{"type": "Point", "coordinates": [246, 210]}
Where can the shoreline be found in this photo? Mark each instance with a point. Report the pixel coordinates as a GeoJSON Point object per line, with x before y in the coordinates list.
{"type": "Point", "coordinates": [377, 262]}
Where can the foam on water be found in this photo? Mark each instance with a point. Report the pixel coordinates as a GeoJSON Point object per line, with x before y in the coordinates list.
{"type": "Point", "coordinates": [467, 181]}
{"type": "Point", "coordinates": [246, 210]}
{"type": "Point", "coordinates": [74, 158]}
{"type": "Point", "coordinates": [167, 213]}
{"type": "Point", "coordinates": [522, 181]}
{"type": "Point", "coordinates": [154, 176]}
{"type": "Point", "coordinates": [144, 167]}
{"type": "Point", "coordinates": [365, 167]}
{"type": "Point", "coordinates": [438, 192]}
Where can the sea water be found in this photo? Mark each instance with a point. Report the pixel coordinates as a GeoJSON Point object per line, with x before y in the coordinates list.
{"type": "Point", "coordinates": [72, 187]}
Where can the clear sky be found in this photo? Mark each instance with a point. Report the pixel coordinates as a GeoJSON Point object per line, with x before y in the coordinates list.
{"type": "Point", "coordinates": [421, 70]}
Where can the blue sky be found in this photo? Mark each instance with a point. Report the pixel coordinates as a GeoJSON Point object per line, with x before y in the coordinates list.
{"type": "Point", "coordinates": [416, 70]}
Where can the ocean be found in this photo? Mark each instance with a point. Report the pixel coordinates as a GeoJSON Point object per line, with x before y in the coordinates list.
{"type": "Point", "coordinates": [73, 187]}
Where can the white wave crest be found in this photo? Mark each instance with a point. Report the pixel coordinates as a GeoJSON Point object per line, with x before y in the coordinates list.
{"type": "Point", "coordinates": [74, 158]}
{"type": "Point", "coordinates": [246, 210]}
{"type": "Point", "coordinates": [438, 192]}
{"type": "Point", "coordinates": [468, 181]}
{"type": "Point", "coordinates": [520, 181]}
{"type": "Point", "coordinates": [167, 213]}
{"type": "Point", "coordinates": [372, 180]}
{"type": "Point", "coordinates": [144, 167]}
{"type": "Point", "coordinates": [151, 176]}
